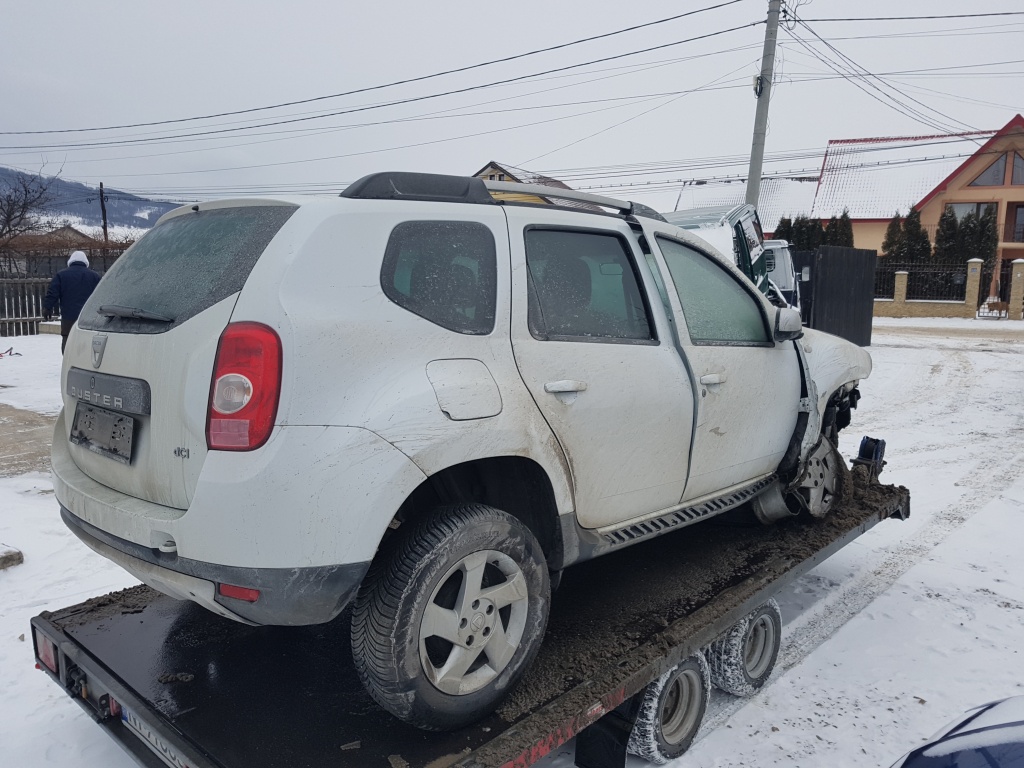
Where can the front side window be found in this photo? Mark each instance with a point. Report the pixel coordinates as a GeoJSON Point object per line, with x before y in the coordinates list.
{"type": "Point", "coordinates": [583, 285]}
{"type": "Point", "coordinates": [443, 271]}
{"type": "Point", "coordinates": [718, 310]}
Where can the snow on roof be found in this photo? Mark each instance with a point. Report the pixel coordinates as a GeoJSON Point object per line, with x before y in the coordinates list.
{"type": "Point", "coordinates": [873, 178]}
{"type": "Point", "coordinates": [779, 197]}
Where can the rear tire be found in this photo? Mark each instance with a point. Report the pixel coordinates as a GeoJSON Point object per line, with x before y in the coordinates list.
{"type": "Point", "coordinates": [742, 660]}
{"type": "Point", "coordinates": [450, 616]}
{"type": "Point", "coordinates": [671, 712]}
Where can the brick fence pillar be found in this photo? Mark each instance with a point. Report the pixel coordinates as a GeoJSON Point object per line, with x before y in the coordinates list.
{"type": "Point", "coordinates": [973, 285]}
{"type": "Point", "coordinates": [899, 289]}
{"type": "Point", "coordinates": [1017, 291]}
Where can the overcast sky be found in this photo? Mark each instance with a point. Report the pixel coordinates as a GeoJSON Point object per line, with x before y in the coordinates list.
{"type": "Point", "coordinates": [103, 63]}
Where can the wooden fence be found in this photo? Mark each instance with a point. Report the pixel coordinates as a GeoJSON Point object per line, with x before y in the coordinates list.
{"type": "Point", "coordinates": [21, 305]}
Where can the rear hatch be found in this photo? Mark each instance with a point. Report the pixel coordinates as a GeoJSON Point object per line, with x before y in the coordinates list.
{"type": "Point", "coordinates": [137, 371]}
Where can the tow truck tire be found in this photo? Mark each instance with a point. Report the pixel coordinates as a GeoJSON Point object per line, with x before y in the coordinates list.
{"type": "Point", "coordinates": [671, 711]}
{"type": "Point", "coordinates": [450, 615]}
{"type": "Point", "coordinates": [742, 660]}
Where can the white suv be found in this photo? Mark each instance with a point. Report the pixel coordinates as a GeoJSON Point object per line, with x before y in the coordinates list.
{"type": "Point", "coordinates": [426, 402]}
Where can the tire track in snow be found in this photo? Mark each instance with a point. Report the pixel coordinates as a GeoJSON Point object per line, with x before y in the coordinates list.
{"type": "Point", "coordinates": [949, 388]}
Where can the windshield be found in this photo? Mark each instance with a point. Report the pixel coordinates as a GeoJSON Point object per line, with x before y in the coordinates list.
{"type": "Point", "coordinates": [181, 267]}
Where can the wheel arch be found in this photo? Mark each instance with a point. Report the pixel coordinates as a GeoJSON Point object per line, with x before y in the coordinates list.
{"type": "Point", "coordinates": [514, 484]}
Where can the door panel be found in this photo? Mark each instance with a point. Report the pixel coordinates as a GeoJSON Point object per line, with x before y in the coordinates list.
{"type": "Point", "coordinates": [592, 350]}
{"type": "Point", "coordinates": [748, 386]}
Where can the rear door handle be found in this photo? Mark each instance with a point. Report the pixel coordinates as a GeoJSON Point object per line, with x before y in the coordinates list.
{"type": "Point", "coordinates": [565, 385]}
{"type": "Point", "coordinates": [713, 378]}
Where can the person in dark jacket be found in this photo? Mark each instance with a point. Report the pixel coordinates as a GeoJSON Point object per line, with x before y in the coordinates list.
{"type": "Point", "coordinates": [68, 292]}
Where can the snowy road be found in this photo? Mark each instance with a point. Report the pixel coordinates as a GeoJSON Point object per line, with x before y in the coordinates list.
{"type": "Point", "coordinates": [885, 642]}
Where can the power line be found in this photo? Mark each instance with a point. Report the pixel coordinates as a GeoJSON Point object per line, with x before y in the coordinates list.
{"type": "Point", "coordinates": [394, 83]}
{"type": "Point", "coordinates": [856, 66]}
{"type": "Point", "coordinates": [436, 114]}
{"type": "Point", "coordinates": [914, 18]}
{"type": "Point", "coordinates": [639, 115]}
{"type": "Point", "coordinates": [857, 79]}
{"type": "Point", "coordinates": [410, 100]}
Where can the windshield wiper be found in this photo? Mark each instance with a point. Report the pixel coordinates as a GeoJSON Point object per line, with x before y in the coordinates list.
{"type": "Point", "coordinates": [116, 310]}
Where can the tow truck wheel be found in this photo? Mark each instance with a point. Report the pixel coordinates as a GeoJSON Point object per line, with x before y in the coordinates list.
{"type": "Point", "coordinates": [742, 660]}
{"type": "Point", "coordinates": [450, 615]}
{"type": "Point", "coordinates": [671, 711]}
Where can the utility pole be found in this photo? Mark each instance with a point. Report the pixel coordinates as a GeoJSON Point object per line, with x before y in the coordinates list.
{"type": "Point", "coordinates": [763, 92]}
{"type": "Point", "coordinates": [103, 209]}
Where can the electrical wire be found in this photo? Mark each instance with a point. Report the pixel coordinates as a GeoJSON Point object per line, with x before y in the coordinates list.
{"type": "Point", "coordinates": [857, 67]}
{"type": "Point", "coordinates": [864, 84]}
{"type": "Point", "coordinates": [915, 18]}
{"type": "Point", "coordinates": [409, 100]}
{"type": "Point", "coordinates": [391, 84]}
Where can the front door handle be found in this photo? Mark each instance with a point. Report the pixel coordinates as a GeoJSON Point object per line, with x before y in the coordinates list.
{"type": "Point", "coordinates": [713, 378]}
{"type": "Point", "coordinates": [565, 385]}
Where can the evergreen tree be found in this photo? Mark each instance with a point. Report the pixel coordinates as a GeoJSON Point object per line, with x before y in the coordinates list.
{"type": "Point", "coordinates": [916, 243]}
{"type": "Point", "coordinates": [893, 246]}
{"type": "Point", "coordinates": [807, 233]}
{"type": "Point", "coordinates": [844, 236]}
{"type": "Point", "coordinates": [784, 231]}
{"type": "Point", "coordinates": [987, 237]}
{"type": "Point", "coordinates": [947, 245]}
{"type": "Point", "coordinates": [831, 231]}
{"type": "Point", "coordinates": [967, 237]}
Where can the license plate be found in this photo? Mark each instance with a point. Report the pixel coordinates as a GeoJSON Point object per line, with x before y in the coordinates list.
{"type": "Point", "coordinates": [160, 747]}
{"type": "Point", "coordinates": [107, 433]}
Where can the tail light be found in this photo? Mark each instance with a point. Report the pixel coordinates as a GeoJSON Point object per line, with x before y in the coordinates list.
{"type": "Point", "coordinates": [245, 389]}
{"type": "Point", "coordinates": [47, 651]}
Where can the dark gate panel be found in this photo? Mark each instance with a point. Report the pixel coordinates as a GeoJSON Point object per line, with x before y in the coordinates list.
{"type": "Point", "coordinates": [839, 297]}
{"type": "Point", "coordinates": [844, 292]}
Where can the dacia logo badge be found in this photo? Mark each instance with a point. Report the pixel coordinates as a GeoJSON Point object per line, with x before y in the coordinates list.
{"type": "Point", "coordinates": [99, 343]}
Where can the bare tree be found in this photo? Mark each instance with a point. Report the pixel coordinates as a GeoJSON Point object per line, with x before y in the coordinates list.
{"type": "Point", "coordinates": [22, 198]}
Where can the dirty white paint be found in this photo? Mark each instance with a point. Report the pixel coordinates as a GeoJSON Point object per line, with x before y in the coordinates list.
{"type": "Point", "coordinates": [375, 399]}
{"type": "Point", "coordinates": [465, 389]}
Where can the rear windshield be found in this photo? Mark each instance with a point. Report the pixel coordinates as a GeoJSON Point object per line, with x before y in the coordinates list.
{"type": "Point", "coordinates": [183, 266]}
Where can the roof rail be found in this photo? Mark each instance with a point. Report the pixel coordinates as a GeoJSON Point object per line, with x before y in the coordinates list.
{"type": "Point", "coordinates": [434, 187]}
{"type": "Point", "coordinates": [540, 190]}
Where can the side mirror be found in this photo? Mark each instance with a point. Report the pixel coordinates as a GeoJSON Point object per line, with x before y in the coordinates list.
{"type": "Point", "coordinates": [769, 260]}
{"type": "Point", "coordinates": [805, 275]}
{"type": "Point", "coordinates": [788, 325]}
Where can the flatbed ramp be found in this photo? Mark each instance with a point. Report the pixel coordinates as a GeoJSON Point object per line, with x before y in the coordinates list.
{"type": "Point", "coordinates": [201, 691]}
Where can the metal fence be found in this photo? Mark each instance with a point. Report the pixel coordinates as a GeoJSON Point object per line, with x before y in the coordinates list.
{"type": "Point", "coordinates": [925, 281]}
{"type": "Point", "coordinates": [21, 305]}
{"type": "Point", "coordinates": [45, 263]}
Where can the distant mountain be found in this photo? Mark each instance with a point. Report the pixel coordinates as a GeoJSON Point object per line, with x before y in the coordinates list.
{"type": "Point", "coordinates": [82, 203]}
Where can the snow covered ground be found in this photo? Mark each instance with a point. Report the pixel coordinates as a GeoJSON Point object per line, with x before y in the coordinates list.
{"type": "Point", "coordinates": [884, 643]}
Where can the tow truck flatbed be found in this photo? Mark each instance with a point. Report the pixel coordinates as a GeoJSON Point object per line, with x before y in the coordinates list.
{"type": "Point", "coordinates": [193, 689]}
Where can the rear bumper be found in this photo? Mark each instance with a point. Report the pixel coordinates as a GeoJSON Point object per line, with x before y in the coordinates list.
{"type": "Point", "coordinates": [288, 596]}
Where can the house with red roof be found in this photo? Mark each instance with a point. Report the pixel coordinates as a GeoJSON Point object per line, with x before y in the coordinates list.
{"type": "Point", "coordinates": [876, 177]}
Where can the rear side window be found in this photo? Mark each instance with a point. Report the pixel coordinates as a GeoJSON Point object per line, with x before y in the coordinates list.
{"type": "Point", "coordinates": [443, 271]}
{"type": "Point", "coordinates": [183, 266]}
{"type": "Point", "coordinates": [582, 285]}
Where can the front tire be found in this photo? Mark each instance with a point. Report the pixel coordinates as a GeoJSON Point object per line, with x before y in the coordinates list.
{"type": "Point", "coordinates": [450, 616]}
